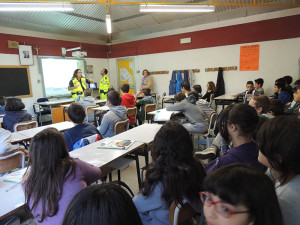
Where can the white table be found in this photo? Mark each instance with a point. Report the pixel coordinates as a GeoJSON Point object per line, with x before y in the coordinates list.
{"type": "Point", "coordinates": [226, 99]}
{"type": "Point", "coordinates": [167, 97]}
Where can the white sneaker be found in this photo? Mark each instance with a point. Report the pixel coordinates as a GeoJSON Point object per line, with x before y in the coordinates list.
{"type": "Point", "coordinates": [207, 153]}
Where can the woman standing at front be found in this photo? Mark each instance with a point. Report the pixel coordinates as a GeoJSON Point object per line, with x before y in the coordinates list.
{"type": "Point", "coordinates": [146, 82]}
{"type": "Point", "coordinates": [78, 84]}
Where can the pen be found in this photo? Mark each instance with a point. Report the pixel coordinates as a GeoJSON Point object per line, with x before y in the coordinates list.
{"type": "Point", "coordinates": [12, 187]}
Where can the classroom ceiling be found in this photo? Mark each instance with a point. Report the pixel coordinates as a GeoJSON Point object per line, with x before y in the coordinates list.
{"type": "Point", "coordinates": [88, 20]}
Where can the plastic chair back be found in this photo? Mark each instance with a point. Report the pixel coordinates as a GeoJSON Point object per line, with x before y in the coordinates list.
{"type": "Point", "coordinates": [25, 125]}
{"type": "Point", "coordinates": [121, 126]}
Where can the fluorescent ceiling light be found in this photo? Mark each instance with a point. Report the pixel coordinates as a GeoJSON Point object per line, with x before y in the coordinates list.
{"type": "Point", "coordinates": [26, 6]}
{"type": "Point", "coordinates": [108, 24]}
{"type": "Point", "coordinates": [176, 8]}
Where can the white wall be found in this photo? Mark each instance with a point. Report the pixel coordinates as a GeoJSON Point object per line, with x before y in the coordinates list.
{"type": "Point", "coordinates": [277, 59]}
{"type": "Point", "coordinates": [36, 77]}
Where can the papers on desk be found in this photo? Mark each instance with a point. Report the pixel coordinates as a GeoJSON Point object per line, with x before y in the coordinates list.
{"type": "Point", "coordinates": [15, 177]}
{"type": "Point", "coordinates": [116, 144]}
{"type": "Point", "coordinates": [164, 115]}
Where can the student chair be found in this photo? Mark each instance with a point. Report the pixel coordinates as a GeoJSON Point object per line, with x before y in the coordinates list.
{"type": "Point", "coordinates": [132, 111]}
{"type": "Point", "coordinates": [149, 108]}
{"type": "Point", "coordinates": [12, 160]}
{"type": "Point", "coordinates": [90, 113]}
{"type": "Point", "coordinates": [41, 110]}
{"type": "Point", "coordinates": [25, 125]}
{"type": "Point", "coordinates": [121, 126]}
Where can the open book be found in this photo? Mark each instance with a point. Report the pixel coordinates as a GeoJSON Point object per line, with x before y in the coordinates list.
{"type": "Point", "coordinates": [164, 115]}
{"type": "Point", "coordinates": [115, 144]}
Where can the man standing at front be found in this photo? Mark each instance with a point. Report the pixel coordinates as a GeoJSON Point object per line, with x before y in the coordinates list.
{"type": "Point", "coordinates": [104, 84]}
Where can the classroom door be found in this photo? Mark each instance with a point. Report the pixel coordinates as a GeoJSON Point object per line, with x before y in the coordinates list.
{"type": "Point", "coordinates": [126, 74]}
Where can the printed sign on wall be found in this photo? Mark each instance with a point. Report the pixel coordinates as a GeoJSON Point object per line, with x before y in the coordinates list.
{"type": "Point", "coordinates": [249, 58]}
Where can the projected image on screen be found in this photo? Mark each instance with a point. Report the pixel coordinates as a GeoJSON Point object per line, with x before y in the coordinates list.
{"type": "Point", "coordinates": [57, 74]}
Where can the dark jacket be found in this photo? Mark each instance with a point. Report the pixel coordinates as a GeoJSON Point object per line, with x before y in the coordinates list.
{"type": "Point", "coordinates": [12, 117]}
{"type": "Point", "coordinates": [220, 86]}
{"type": "Point", "coordinates": [284, 97]}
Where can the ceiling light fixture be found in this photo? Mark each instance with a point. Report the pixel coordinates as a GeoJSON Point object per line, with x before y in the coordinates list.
{"type": "Point", "coordinates": [108, 23]}
{"type": "Point", "coordinates": [26, 6]}
{"type": "Point", "coordinates": [176, 8]}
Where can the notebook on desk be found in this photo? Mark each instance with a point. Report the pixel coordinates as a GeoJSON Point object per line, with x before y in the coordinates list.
{"type": "Point", "coordinates": [164, 115]}
{"type": "Point", "coordinates": [116, 144]}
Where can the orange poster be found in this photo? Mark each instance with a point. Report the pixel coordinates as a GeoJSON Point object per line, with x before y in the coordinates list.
{"type": "Point", "coordinates": [249, 57]}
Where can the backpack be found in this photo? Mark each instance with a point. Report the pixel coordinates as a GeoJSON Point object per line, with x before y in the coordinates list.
{"type": "Point", "coordinates": [86, 141]}
{"type": "Point", "coordinates": [172, 85]}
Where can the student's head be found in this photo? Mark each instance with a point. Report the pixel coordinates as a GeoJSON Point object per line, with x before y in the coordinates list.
{"type": "Point", "coordinates": [240, 195]}
{"type": "Point", "coordinates": [195, 94]}
{"type": "Point", "coordinates": [87, 92]}
{"type": "Point", "coordinates": [14, 104]}
{"type": "Point", "coordinates": [146, 91]}
{"type": "Point", "coordinates": [297, 94]}
{"type": "Point", "coordinates": [2, 101]}
{"type": "Point", "coordinates": [297, 83]}
{"type": "Point", "coordinates": [110, 89]}
{"type": "Point", "coordinates": [276, 107]}
{"type": "Point", "coordinates": [197, 88]}
{"type": "Point", "coordinates": [104, 71]}
{"type": "Point", "coordinates": [258, 83]}
{"type": "Point", "coordinates": [125, 88]}
{"type": "Point", "coordinates": [174, 165]}
{"type": "Point", "coordinates": [146, 73]}
{"type": "Point", "coordinates": [260, 103]}
{"type": "Point", "coordinates": [77, 73]}
{"type": "Point", "coordinates": [211, 86]}
{"type": "Point", "coordinates": [279, 87]}
{"type": "Point", "coordinates": [278, 141]}
{"type": "Point", "coordinates": [49, 163]}
{"type": "Point", "coordinates": [185, 87]}
{"type": "Point", "coordinates": [288, 80]}
{"type": "Point", "coordinates": [239, 118]}
{"type": "Point", "coordinates": [113, 98]}
{"type": "Point", "coordinates": [179, 97]}
{"type": "Point", "coordinates": [102, 204]}
{"type": "Point", "coordinates": [249, 86]}
{"type": "Point", "coordinates": [76, 113]}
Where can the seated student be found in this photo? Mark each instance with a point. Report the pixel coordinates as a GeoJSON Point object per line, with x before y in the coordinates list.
{"type": "Point", "coordinates": [258, 83]}
{"type": "Point", "coordinates": [87, 100]}
{"type": "Point", "coordinates": [2, 105]}
{"type": "Point", "coordinates": [276, 107]}
{"type": "Point", "coordinates": [197, 120]}
{"type": "Point", "coordinates": [211, 89]}
{"type": "Point", "coordinates": [284, 96]}
{"type": "Point", "coordinates": [294, 107]}
{"type": "Point", "coordinates": [116, 112]}
{"type": "Point", "coordinates": [127, 100]}
{"type": "Point", "coordinates": [15, 113]}
{"type": "Point", "coordinates": [5, 143]}
{"type": "Point", "coordinates": [240, 195]}
{"type": "Point", "coordinates": [140, 104]}
{"type": "Point", "coordinates": [76, 114]}
{"type": "Point", "coordinates": [175, 175]}
{"type": "Point", "coordinates": [238, 123]}
{"type": "Point", "coordinates": [297, 83]}
{"type": "Point", "coordinates": [185, 87]}
{"type": "Point", "coordinates": [288, 80]}
{"type": "Point", "coordinates": [198, 88]}
{"type": "Point", "coordinates": [278, 142]}
{"type": "Point", "coordinates": [102, 204]}
{"type": "Point", "coordinates": [54, 178]}
{"type": "Point", "coordinates": [261, 104]}
{"type": "Point", "coordinates": [247, 95]}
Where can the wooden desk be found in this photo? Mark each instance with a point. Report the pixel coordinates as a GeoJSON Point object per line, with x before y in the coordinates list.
{"type": "Point", "coordinates": [226, 99]}
{"type": "Point", "coordinates": [167, 97]}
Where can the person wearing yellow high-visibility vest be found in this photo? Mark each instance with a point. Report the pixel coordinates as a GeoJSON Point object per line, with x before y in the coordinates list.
{"type": "Point", "coordinates": [78, 84]}
{"type": "Point", "coordinates": [104, 84]}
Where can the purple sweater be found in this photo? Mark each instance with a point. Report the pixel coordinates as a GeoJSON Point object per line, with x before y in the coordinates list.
{"type": "Point", "coordinates": [84, 174]}
{"type": "Point", "coordinates": [246, 154]}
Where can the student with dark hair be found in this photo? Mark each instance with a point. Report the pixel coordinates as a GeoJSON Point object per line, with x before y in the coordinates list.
{"type": "Point", "coordinates": [258, 84]}
{"type": "Point", "coordinates": [185, 87]}
{"type": "Point", "coordinates": [78, 84]}
{"type": "Point", "coordinates": [175, 175]}
{"type": "Point", "coordinates": [102, 204]}
{"type": "Point", "coordinates": [297, 83]}
{"type": "Point", "coordinates": [2, 105]}
{"type": "Point", "coordinates": [284, 96]}
{"type": "Point", "coordinates": [240, 195]}
{"type": "Point", "coordinates": [179, 97]}
{"type": "Point", "coordinates": [15, 113]}
{"type": "Point", "coordinates": [294, 107]}
{"type": "Point", "coordinates": [76, 114]}
{"type": "Point", "coordinates": [288, 80]}
{"type": "Point", "coordinates": [261, 104]}
{"type": "Point", "coordinates": [211, 89]}
{"type": "Point", "coordinates": [278, 142]}
{"type": "Point", "coordinates": [128, 100]}
{"type": "Point", "coordinates": [116, 112]}
{"type": "Point", "coordinates": [247, 95]}
{"type": "Point", "coordinates": [238, 124]}
{"type": "Point", "coordinates": [276, 107]}
{"type": "Point", "coordinates": [196, 118]}
{"type": "Point", "coordinates": [140, 104]}
{"type": "Point", "coordinates": [53, 177]}
{"type": "Point", "coordinates": [198, 88]}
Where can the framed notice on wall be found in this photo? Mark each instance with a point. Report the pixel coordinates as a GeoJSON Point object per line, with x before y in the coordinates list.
{"type": "Point", "coordinates": [249, 57]}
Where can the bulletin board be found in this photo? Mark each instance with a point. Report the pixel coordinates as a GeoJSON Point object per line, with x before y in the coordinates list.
{"type": "Point", "coordinates": [249, 58]}
{"type": "Point", "coordinates": [15, 81]}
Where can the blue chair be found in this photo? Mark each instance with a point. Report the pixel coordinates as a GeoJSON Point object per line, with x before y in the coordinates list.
{"type": "Point", "coordinates": [41, 110]}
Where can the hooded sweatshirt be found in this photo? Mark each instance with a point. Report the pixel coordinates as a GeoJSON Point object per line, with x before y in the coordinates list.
{"type": "Point", "coordinates": [5, 139]}
{"type": "Point", "coordinates": [87, 101]}
{"type": "Point", "coordinates": [13, 117]}
{"type": "Point", "coordinates": [128, 101]}
{"type": "Point", "coordinates": [114, 114]}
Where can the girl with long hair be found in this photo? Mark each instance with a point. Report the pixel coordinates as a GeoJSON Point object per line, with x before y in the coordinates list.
{"type": "Point", "coordinates": [175, 175]}
{"type": "Point", "coordinates": [53, 177]}
{"type": "Point", "coordinates": [211, 90]}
